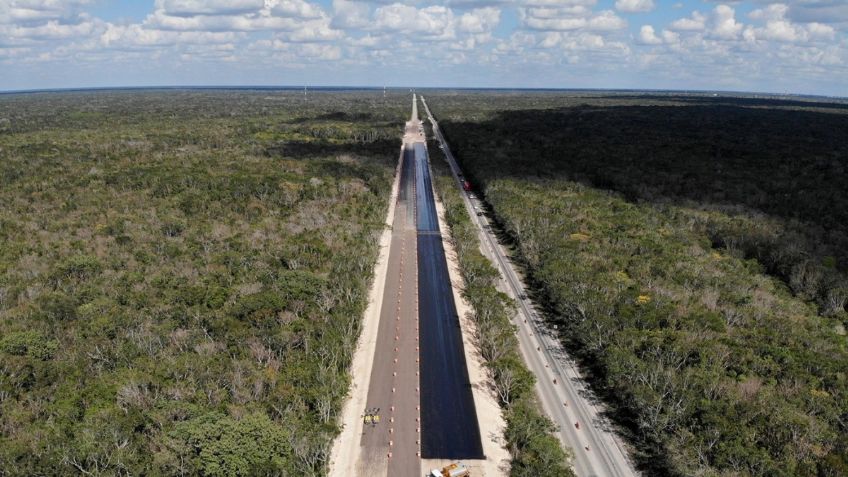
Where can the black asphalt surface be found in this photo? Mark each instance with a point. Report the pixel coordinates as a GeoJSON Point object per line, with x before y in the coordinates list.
{"type": "Point", "coordinates": [407, 175]}
{"type": "Point", "coordinates": [407, 181]}
{"type": "Point", "coordinates": [449, 427]}
{"type": "Point", "coordinates": [427, 220]}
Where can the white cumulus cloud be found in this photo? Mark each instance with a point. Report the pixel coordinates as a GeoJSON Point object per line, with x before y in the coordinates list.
{"type": "Point", "coordinates": [605, 21]}
{"type": "Point", "coordinates": [696, 22]}
{"type": "Point", "coordinates": [350, 14]}
{"type": "Point", "coordinates": [432, 21]}
{"type": "Point", "coordinates": [647, 36]}
{"type": "Point", "coordinates": [724, 24]}
{"type": "Point", "coordinates": [778, 27]}
{"type": "Point", "coordinates": [480, 20]}
{"type": "Point", "coordinates": [632, 6]}
{"type": "Point", "coordinates": [209, 7]}
{"type": "Point", "coordinates": [34, 11]}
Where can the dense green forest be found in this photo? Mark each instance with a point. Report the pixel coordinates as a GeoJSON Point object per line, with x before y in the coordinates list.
{"type": "Point", "coordinates": [535, 450]}
{"type": "Point", "coordinates": [182, 275]}
{"type": "Point", "coordinates": [692, 250]}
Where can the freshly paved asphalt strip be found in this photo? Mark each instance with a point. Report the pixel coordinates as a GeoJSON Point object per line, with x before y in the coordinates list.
{"type": "Point", "coordinates": [426, 219]}
{"type": "Point", "coordinates": [449, 427]}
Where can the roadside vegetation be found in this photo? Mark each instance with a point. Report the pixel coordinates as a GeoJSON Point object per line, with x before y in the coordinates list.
{"type": "Point", "coordinates": [692, 252]}
{"type": "Point", "coordinates": [182, 276]}
{"type": "Point", "coordinates": [529, 434]}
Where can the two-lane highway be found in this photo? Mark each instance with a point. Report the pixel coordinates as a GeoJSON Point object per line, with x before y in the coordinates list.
{"type": "Point", "coordinates": [561, 389]}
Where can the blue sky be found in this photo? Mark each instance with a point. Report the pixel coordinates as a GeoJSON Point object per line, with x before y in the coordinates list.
{"type": "Point", "coordinates": [796, 46]}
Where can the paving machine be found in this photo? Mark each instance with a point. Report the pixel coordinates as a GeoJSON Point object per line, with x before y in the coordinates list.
{"type": "Point", "coordinates": [457, 469]}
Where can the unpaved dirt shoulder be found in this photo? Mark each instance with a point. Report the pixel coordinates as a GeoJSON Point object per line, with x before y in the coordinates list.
{"type": "Point", "coordinates": [345, 453]}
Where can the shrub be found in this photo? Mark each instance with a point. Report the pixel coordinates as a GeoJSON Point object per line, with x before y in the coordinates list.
{"type": "Point", "coordinates": [78, 267]}
{"type": "Point", "coordinates": [218, 445]}
{"type": "Point", "coordinates": [29, 343]}
{"type": "Point", "coordinates": [57, 306]}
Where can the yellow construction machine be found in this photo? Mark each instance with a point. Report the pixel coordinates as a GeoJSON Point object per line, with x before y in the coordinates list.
{"type": "Point", "coordinates": [457, 469]}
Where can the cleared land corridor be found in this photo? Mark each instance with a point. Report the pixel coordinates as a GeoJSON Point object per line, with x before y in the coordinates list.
{"type": "Point", "coordinates": [419, 381]}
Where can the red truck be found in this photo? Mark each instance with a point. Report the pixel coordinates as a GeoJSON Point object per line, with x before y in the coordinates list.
{"type": "Point", "coordinates": [466, 186]}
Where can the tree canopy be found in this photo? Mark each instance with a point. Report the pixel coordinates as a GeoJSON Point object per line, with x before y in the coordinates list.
{"type": "Point", "coordinates": [182, 276]}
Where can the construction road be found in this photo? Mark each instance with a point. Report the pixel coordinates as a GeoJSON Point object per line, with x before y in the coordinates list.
{"type": "Point", "coordinates": [427, 392]}
{"type": "Point", "coordinates": [562, 392]}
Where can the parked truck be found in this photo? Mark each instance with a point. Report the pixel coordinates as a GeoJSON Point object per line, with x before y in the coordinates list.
{"type": "Point", "coordinates": [457, 469]}
{"type": "Point", "coordinates": [466, 186]}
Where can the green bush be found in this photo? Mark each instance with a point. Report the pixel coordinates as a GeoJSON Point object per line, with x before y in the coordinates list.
{"type": "Point", "coordinates": [57, 306]}
{"type": "Point", "coordinates": [78, 267]}
{"type": "Point", "coordinates": [29, 343]}
{"type": "Point", "coordinates": [258, 306]}
{"type": "Point", "coordinates": [216, 445]}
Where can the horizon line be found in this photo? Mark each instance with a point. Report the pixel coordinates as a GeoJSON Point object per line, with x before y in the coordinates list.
{"type": "Point", "coordinates": [396, 87]}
